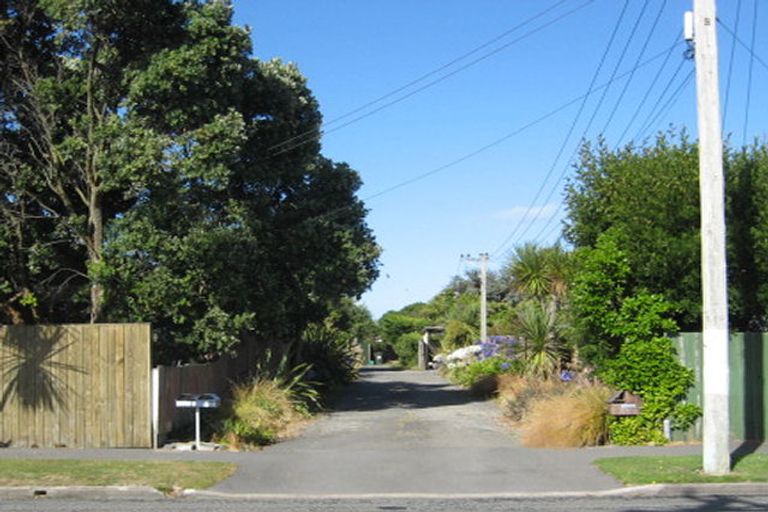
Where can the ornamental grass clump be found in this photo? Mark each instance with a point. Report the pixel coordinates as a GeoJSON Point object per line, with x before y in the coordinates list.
{"type": "Point", "coordinates": [261, 412]}
{"type": "Point", "coordinates": [576, 418]}
{"type": "Point", "coordinates": [518, 392]}
{"type": "Point", "coordinates": [270, 406]}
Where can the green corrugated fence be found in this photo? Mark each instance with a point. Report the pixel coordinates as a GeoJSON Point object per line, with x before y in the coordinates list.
{"type": "Point", "coordinates": [748, 393]}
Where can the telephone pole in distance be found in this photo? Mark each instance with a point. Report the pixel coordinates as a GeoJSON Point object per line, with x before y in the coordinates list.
{"type": "Point", "coordinates": [482, 259]}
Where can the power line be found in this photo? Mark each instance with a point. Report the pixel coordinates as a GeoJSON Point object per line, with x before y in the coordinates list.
{"type": "Point", "coordinates": [494, 143]}
{"type": "Point", "coordinates": [730, 64]}
{"type": "Point", "coordinates": [570, 130]}
{"type": "Point", "coordinates": [592, 118]}
{"type": "Point", "coordinates": [425, 75]}
{"type": "Point", "coordinates": [639, 57]}
{"type": "Point", "coordinates": [662, 112]}
{"type": "Point", "coordinates": [671, 101]}
{"type": "Point", "coordinates": [751, 51]}
{"type": "Point", "coordinates": [648, 119]}
{"type": "Point", "coordinates": [648, 91]}
{"type": "Point", "coordinates": [541, 237]}
{"type": "Point", "coordinates": [749, 79]}
{"type": "Point", "coordinates": [314, 134]}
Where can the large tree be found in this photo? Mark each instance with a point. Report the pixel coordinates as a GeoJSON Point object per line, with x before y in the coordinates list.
{"type": "Point", "coordinates": [144, 167]}
{"type": "Point", "coordinates": [71, 158]}
{"type": "Point", "coordinates": [649, 196]}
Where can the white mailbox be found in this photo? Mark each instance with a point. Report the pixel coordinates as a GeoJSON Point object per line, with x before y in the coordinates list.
{"type": "Point", "coordinates": [198, 401]}
{"type": "Point", "coordinates": [203, 401]}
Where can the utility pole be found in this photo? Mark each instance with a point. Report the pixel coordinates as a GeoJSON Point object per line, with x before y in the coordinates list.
{"type": "Point", "coordinates": [482, 259]}
{"type": "Point", "coordinates": [714, 281]}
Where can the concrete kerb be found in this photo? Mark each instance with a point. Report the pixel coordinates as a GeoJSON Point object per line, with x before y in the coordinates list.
{"type": "Point", "coordinates": [105, 493]}
{"type": "Point", "coordinates": [148, 493]}
{"type": "Point", "coordinates": [659, 490]}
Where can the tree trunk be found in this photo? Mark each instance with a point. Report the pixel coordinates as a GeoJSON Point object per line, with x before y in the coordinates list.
{"type": "Point", "coordinates": [96, 228]}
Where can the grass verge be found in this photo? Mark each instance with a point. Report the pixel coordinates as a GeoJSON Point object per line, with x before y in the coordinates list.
{"type": "Point", "coordinates": [162, 475]}
{"type": "Point", "coordinates": [681, 470]}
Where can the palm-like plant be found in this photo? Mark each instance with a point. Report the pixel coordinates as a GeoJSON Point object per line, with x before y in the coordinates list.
{"type": "Point", "coordinates": [529, 272]}
{"type": "Point", "coordinates": [538, 328]}
{"type": "Point", "coordinates": [539, 272]}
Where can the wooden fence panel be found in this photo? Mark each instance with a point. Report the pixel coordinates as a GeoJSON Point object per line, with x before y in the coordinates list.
{"type": "Point", "coordinates": [216, 377]}
{"type": "Point", "coordinates": [75, 385]}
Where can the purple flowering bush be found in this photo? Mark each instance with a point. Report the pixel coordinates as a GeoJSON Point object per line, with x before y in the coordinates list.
{"type": "Point", "coordinates": [499, 346]}
{"type": "Point", "coordinates": [479, 365]}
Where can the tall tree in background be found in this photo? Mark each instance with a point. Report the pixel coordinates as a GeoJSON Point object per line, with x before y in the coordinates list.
{"type": "Point", "coordinates": [143, 167]}
{"type": "Point", "coordinates": [747, 216]}
{"type": "Point", "coordinates": [648, 197]}
{"type": "Point", "coordinates": [650, 194]}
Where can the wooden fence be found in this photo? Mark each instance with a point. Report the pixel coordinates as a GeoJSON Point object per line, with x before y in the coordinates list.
{"type": "Point", "coordinates": [168, 382]}
{"type": "Point", "coordinates": [748, 384]}
{"type": "Point", "coordinates": [75, 386]}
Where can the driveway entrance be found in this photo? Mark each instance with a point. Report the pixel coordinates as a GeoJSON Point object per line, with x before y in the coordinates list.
{"type": "Point", "coordinates": [404, 432]}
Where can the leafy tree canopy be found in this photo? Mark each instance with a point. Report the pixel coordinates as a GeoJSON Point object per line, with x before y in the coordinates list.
{"type": "Point", "coordinates": [144, 181]}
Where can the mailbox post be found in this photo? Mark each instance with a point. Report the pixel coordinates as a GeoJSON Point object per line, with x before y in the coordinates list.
{"type": "Point", "coordinates": [203, 401]}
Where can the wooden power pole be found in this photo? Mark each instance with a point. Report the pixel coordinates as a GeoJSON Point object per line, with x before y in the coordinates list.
{"type": "Point", "coordinates": [482, 259]}
{"type": "Point", "coordinates": [716, 450]}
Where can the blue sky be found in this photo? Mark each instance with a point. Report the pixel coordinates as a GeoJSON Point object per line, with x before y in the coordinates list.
{"type": "Point", "coordinates": [475, 198]}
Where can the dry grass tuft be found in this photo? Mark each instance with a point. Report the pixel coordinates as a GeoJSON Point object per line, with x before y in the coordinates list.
{"type": "Point", "coordinates": [574, 419]}
{"type": "Point", "coordinates": [517, 393]}
{"type": "Point", "coordinates": [262, 412]}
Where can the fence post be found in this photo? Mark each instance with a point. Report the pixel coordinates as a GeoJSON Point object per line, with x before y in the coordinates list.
{"type": "Point", "coordinates": [156, 406]}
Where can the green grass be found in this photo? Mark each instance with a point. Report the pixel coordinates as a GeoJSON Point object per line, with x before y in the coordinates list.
{"type": "Point", "coordinates": [162, 475]}
{"type": "Point", "coordinates": [681, 470]}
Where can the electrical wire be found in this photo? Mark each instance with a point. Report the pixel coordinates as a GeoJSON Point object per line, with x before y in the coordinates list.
{"type": "Point", "coordinates": [749, 79]}
{"type": "Point", "coordinates": [662, 112]}
{"type": "Point", "coordinates": [751, 51]}
{"type": "Point", "coordinates": [730, 65]}
{"type": "Point", "coordinates": [639, 58]}
{"type": "Point", "coordinates": [648, 92]}
{"type": "Point", "coordinates": [592, 118]}
{"type": "Point", "coordinates": [540, 237]}
{"type": "Point", "coordinates": [570, 130]}
{"type": "Point", "coordinates": [425, 75]}
{"type": "Point", "coordinates": [651, 115]}
{"type": "Point", "coordinates": [331, 213]}
{"type": "Point", "coordinates": [671, 101]}
{"type": "Point", "coordinates": [314, 134]}
{"type": "Point", "coordinates": [509, 135]}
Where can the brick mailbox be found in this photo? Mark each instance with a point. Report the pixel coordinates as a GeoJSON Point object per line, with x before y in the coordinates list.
{"type": "Point", "coordinates": [625, 403]}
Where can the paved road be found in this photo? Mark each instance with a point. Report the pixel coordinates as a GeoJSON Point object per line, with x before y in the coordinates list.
{"type": "Point", "coordinates": [713, 503]}
{"type": "Point", "coordinates": [398, 433]}
{"type": "Point", "coordinates": [412, 432]}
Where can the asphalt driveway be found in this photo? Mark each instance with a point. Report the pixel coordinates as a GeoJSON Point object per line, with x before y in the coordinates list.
{"type": "Point", "coordinates": [410, 432]}
{"type": "Point", "coordinates": [396, 433]}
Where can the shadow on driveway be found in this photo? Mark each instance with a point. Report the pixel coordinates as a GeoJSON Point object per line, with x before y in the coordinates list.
{"type": "Point", "coordinates": [380, 389]}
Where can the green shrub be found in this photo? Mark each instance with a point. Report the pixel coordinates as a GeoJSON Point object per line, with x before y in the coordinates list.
{"type": "Point", "coordinates": [646, 365]}
{"type": "Point", "coordinates": [267, 407]}
{"type": "Point", "coordinates": [332, 354]}
{"type": "Point", "coordinates": [407, 349]}
{"type": "Point", "coordinates": [476, 371]}
{"type": "Point", "coordinates": [457, 334]}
